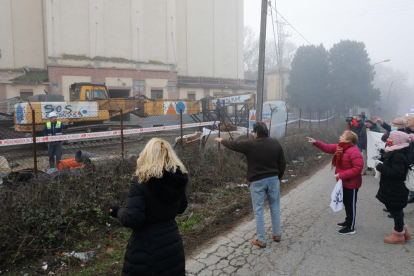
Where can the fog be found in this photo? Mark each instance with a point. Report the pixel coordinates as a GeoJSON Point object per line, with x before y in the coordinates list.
{"type": "Point", "coordinates": [385, 26]}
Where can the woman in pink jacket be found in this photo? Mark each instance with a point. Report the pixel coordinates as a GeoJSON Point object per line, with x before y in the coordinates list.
{"type": "Point", "coordinates": [348, 163]}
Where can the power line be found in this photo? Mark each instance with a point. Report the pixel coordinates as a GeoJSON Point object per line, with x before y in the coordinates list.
{"type": "Point", "coordinates": [274, 37]}
{"type": "Point", "coordinates": [298, 32]}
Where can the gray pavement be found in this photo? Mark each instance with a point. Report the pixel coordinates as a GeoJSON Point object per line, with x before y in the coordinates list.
{"type": "Point", "coordinates": [310, 243]}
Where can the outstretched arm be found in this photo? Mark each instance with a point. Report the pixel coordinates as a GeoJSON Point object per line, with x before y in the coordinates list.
{"type": "Point", "coordinates": [331, 148]}
{"type": "Point", "coordinates": [239, 146]}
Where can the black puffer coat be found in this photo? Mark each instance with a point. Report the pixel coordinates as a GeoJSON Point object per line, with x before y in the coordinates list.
{"type": "Point", "coordinates": [155, 246]}
{"type": "Point", "coordinates": [392, 191]}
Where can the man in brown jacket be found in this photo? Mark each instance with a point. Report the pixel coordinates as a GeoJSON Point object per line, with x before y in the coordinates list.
{"type": "Point", "coordinates": [265, 167]}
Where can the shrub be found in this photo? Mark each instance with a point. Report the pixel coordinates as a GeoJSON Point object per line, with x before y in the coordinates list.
{"type": "Point", "coordinates": [44, 216]}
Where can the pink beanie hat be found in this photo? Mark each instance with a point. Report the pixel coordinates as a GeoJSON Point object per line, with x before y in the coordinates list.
{"type": "Point", "coordinates": [399, 137]}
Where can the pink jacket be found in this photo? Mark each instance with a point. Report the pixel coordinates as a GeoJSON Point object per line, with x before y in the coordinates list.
{"type": "Point", "coordinates": [351, 167]}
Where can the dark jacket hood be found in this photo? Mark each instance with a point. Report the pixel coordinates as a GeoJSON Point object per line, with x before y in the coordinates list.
{"type": "Point", "coordinates": [171, 186]}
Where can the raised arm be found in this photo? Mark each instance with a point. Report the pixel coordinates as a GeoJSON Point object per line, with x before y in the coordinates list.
{"type": "Point", "coordinates": [331, 148]}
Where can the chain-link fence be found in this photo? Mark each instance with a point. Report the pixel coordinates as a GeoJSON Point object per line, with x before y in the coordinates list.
{"type": "Point", "coordinates": [83, 136]}
{"type": "Point", "coordinates": [307, 119]}
{"type": "Point", "coordinates": [96, 136]}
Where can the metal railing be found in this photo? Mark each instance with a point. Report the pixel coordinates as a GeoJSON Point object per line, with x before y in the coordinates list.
{"type": "Point", "coordinates": [187, 80]}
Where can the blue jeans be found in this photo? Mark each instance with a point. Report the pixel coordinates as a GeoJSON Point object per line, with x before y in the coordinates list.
{"type": "Point", "coordinates": [258, 189]}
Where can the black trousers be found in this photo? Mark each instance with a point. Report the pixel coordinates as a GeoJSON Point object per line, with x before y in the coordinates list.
{"type": "Point", "coordinates": [350, 200]}
{"type": "Point", "coordinates": [398, 218]}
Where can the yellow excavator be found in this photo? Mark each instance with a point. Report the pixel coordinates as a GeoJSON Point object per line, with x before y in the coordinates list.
{"type": "Point", "coordinates": [90, 106]}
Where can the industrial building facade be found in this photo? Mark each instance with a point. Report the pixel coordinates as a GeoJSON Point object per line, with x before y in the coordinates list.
{"type": "Point", "coordinates": [157, 48]}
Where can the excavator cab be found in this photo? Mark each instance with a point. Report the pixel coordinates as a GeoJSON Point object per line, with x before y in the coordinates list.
{"type": "Point", "coordinates": [83, 91]}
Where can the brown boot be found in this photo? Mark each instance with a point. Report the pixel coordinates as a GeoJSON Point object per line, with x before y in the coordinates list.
{"type": "Point", "coordinates": [259, 244]}
{"type": "Point", "coordinates": [395, 238]}
{"type": "Point", "coordinates": [277, 238]}
{"type": "Point", "coordinates": [407, 235]}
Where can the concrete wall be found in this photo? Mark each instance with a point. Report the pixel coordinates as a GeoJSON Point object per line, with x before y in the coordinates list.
{"type": "Point", "coordinates": [14, 90]}
{"type": "Point", "coordinates": [276, 86]}
{"type": "Point", "coordinates": [198, 91]}
{"type": "Point", "coordinates": [61, 77]}
{"type": "Point", "coordinates": [21, 34]}
{"type": "Point", "coordinates": [201, 92]}
{"type": "Point", "coordinates": [204, 38]}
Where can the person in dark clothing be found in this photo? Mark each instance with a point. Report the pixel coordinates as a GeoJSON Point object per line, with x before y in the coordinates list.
{"type": "Point", "coordinates": [54, 128]}
{"type": "Point", "coordinates": [265, 168]}
{"type": "Point", "coordinates": [356, 126]}
{"type": "Point", "coordinates": [369, 126]}
{"type": "Point", "coordinates": [156, 196]}
{"type": "Point", "coordinates": [348, 164]}
{"type": "Point", "coordinates": [394, 166]}
{"type": "Point", "coordinates": [396, 124]}
{"type": "Point", "coordinates": [400, 125]}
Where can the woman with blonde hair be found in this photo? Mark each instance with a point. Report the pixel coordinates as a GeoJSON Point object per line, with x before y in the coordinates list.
{"type": "Point", "coordinates": [348, 164]}
{"type": "Point", "coordinates": [156, 196]}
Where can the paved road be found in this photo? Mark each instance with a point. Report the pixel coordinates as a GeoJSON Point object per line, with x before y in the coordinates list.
{"type": "Point", "coordinates": [310, 243]}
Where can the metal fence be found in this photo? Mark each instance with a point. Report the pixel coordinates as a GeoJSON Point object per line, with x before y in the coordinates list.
{"type": "Point", "coordinates": [308, 119]}
{"type": "Point", "coordinates": [25, 147]}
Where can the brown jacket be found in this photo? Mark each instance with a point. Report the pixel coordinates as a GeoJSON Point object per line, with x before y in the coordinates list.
{"type": "Point", "coordinates": [265, 157]}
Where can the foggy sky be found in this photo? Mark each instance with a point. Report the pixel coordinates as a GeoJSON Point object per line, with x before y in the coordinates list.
{"type": "Point", "coordinates": [385, 26]}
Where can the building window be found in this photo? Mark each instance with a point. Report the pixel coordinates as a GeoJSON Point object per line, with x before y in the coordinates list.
{"type": "Point", "coordinates": [25, 94]}
{"type": "Point", "coordinates": [156, 94]}
{"type": "Point", "coordinates": [191, 96]}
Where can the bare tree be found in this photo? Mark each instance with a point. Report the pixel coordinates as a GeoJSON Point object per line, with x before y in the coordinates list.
{"type": "Point", "coordinates": [251, 54]}
{"type": "Point", "coordinates": [395, 100]}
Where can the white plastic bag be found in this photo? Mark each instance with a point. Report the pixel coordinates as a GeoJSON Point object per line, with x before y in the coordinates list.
{"type": "Point", "coordinates": [409, 182]}
{"type": "Point", "coordinates": [337, 197]}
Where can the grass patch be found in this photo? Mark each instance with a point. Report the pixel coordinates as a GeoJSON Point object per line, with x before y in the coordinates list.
{"type": "Point", "coordinates": [33, 77]}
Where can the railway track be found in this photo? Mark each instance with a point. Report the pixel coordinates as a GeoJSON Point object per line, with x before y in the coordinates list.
{"type": "Point", "coordinates": [109, 145]}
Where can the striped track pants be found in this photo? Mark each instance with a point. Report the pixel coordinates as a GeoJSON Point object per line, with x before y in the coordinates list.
{"type": "Point", "coordinates": [350, 200]}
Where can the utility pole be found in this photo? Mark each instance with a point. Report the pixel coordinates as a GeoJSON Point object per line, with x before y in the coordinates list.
{"type": "Point", "coordinates": [262, 47]}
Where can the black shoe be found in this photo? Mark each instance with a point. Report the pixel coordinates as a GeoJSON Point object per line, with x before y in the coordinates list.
{"type": "Point", "coordinates": [386, 210]}
{"type": "Point", "coordinates": [341, 224]}
{"type": "Point", "coordinates": [411, 200]}
{"type": "Point", "coordinates": [390, 216]}
{"type": "Point", "coordinates": [346, 231]}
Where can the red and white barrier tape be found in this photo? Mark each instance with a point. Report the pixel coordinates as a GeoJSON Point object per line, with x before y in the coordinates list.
{"type": "Point", "coordinates": [45, 139]}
